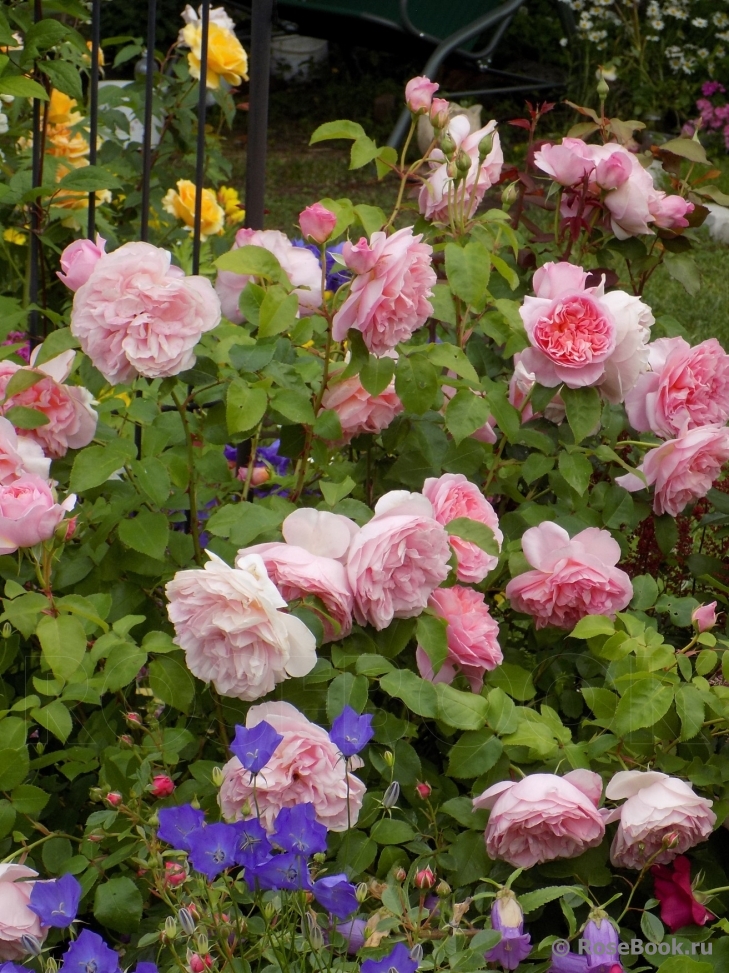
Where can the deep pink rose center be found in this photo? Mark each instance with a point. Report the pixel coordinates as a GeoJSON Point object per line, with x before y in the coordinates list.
{"type": "Point", "coordinates": [575, 332]}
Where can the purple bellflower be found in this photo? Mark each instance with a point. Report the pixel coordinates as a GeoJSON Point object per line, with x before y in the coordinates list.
{"type": "Point", "coordinates": [90, 954]}
{"type": "Point", "coordinates": [176, 823]}
{"type": "Point", "coordinates": [351, 732]}
{"type": "Point", "coordinates": [56, 902]}
{"type": "Point", "coordinates": [298, 831]}
{"type": "Point", "coordinates": [213, 848]}
{"type": "Point", "coordinates": [255, 747]}
{"type": "Point", "coordinates": [508, 919]}
{"type": "Point", "coordinates": [335, 894]}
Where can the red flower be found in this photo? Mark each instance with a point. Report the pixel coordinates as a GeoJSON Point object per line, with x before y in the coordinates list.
{"type": "Point", "coordinates": [672, 887]}
{"type": "Point", "coordinates": [162, 786]}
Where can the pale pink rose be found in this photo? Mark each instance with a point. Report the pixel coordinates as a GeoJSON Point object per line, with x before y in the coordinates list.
{"type": "Point", "coordinates": [320, 532]}
{"type": "Point", "coordinates": [473, 637]}
{"type": "Point", "coordinates": [669, 212]}
{"type": "Point", "coordinates": [306, 768]}
{"type": "Point", "coordinates": [19, 455]}
{"type": "Point", "coordinates": [520, 385]}
{"type": "Point", "coordinates": [581, 336]}
{"type": "Point", "coordinates": [438, 188]}
{"type": "Point", "coordinates": [133, 317]}
{"type": "Point", "coordinates": [419, 94]}
{"type": "Point", "coordinates": [317, 223]}
{"type": "Point", "coordinates": [439, 113]}
{"type": "Point", "coordinates": [657, 806]}
{"type": "Point", "coordinates": [230, 625]}
{"type": "Point", "coordinates": [543, 817]}
{"type": "Point", "coordinates": [78, 260]}
{"type": "Point", "coordinates": [686, 387]}
{"type": "Point", "coordinates": [613, 170]}
{"type": "Point", "coordinates": [454, 496]}
{"type": "Point", "coordinates": [572, 577]}
{"type": "Point", "coordinates": [16, 919]}
{"type": "Point", "coordinates": [397, 560]}
{"type": "Point", "coordinates": [388, 301]}
{"type": "Point", "coordinates": [704, 617]}
{"type": "Point", "coordinates": [358, 411]}
{"type": "Point", "coordinates": [567, 163]}
{"type": "Point", "coordinates": [29, 512]}
{"type": "Point", "coordinates": [299, 264]}
{"type": "Point", "coordinates": [298, 574]}
{"type": "Point", "coordinates": [629, 204]}
{"type": "Point", "coordinates": [682, 469]}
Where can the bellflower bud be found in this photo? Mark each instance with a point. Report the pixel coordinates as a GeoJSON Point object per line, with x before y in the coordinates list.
{"type": "Point", "coordinates": [389, 757]}
{"type": "Point", "coordinates": [170, 930]}
{"type": "Point", "coordinates": [391, 795]}
{"type": "Point", "coordinates": [7, 630]}
{"type": "Point", "coordinates": [187, 922]}
{"type": "Point", "coordinates": [361, 892]}
{"type": "Point", "coordinates": [30, 944]}
{"type": "Point", "coordinates": [507, 918]}
{"type": "Point", "coordinates": [217, 776]}
{"type": "Point", "coordinates": [416, 953]}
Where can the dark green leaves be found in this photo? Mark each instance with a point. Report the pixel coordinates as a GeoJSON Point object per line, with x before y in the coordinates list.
{"type": "Point", "coordinates": [583, 409]}
{"type": "Point", "coordinates": [475, 532]}
{"type": "Point", "coordinates": [95, 464]}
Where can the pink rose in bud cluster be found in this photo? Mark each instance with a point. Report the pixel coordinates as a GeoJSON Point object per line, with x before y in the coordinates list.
{"type": "Point", "coordinates": [229, 623]}
{"type": "Point", "coordinates": [299, 264]}
{"type": "Point", "coordinates": [198, 963]}
{"type": "Point", "coordinates": [704, 617]}
{"type": "Point", "coordinates": [29, 513]}
{"type": "Point", "coordinates": [71, 420]}
{"type": "Point", "coordinates": [138, 315]}
{"type": "Point", "coordinates": [78, 260]}
{"type": "Point", "coordinates": [685, 387]}
{"type": "Point", "coordinates": [472, 633]}
{"type": "Point", "coordinates": [425, 878]}
{"type": "Point", "coordinates": [661, 816]}
{"type": "Point", "coordinates": [19, 455]}
{"type": "Point", "coordinates": [17, 919]}
{"type": "Point", "coordinates": [683, 469]}
{"type": "Point", "coordinates": [423, 790]}
{"type": "Point", "coordinates": [162, 786]}
{"type": "Point", "coordinates": [454, 496]}
{"type": "Point", "coordinates": [436, 198]}
{"type": "Point", "coordinates": [439, 113]}
{"type": "Point", "coordinates": [581, 336]}
{"type": "Point", "coordinates": [572, 577]}
{"type": "Point", "coordinates": [306, 767]}
{"type": "Point", "coordinates": [114, 798]}
{"type": "Point", "coordinates": [175, 874]}
{"type": "Point", "coordinates": [611, 176]}
{"type": "Point", "coordinates": [357, 410]}
{"type": "Point", "coordinates": [419, 94]}
{"type": "Point", "coordinates": [317, 223]}
{"type": "Point", "coordinates": [543, 817]}
{"type": "Point", "coordinates": [388, 297]}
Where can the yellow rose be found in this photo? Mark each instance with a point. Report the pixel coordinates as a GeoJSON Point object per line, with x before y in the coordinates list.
{"type": "Point", "coordinates": [12, 235]}
{"type": "Point", "coordinates": [226, 57]}
{"type": "Point", "coordinates": [61, 109]}
{"type": "Point", "coordinates": [182, 205]}
{"type": "Point", "coordinates": [65, 144]}
{"type": "Point", "coordinates": [230, 201]}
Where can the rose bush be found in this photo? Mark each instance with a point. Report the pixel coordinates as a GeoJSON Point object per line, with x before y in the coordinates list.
{"type": "Point", "coordinates": [363, 595]}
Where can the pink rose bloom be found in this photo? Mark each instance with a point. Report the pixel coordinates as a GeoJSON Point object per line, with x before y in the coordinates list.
{"type": "Point", "coordinates": [682, 469]}
{"type": "Point", "coordinates": [358, 411]}
{"type": "Point", "coordinates": [71, 420]}
{"type": "Point", "coordinates": [78, 260]}
{"type": "Point", "coordinates": [17, 919]}
{"type": "Point", "coordinates": [317, 223]}
{"type": "Point", "coordinates": [704, 617]}
{"type": "Point", "coordinates": [19, 455]}
{"type": "Point", "coordinates": [572, 577]}
{"type": "Point", "coordinates": [434, 195]}
{"type": "Point", "coordinates": [299, 574]}
{"type": "Point", "coordinates": [229, 623]}
{"type": "Point", "coordinates": [29, 513]}
{"type": "Point", "coordinates": [299, 264]}
{"type": "Point", "coordinates": [629, 204]}
{"type": "Point", "coordinates": [543, 817]}
{"type": "Point", "coordinates": [319, 532]}
{"type": "Point", "coordinates": [134, 316]}
{"type": "Point", "coordinates": [306, 767]}
{"type": "Point", "coordinates": [454, 496]}
{"type": "Point", "coordinates": [686, 387]}
{"type": "Point", "coordinates": [397, 560]}
{"type": "Point", "coordinates": [419, 94]}
{"type": "Point", "coordinates": [473, 646]}
{"type": "Point", "coordinates": [567, 162]}
{"type": "Point", "coordinates": [388, 298]}
{"type": "Point", "coordinates": [581, 336]}
{"type": "Point", "coordinates": [657, 806]}
{"type": "Point", "coordinates": [669, 212]}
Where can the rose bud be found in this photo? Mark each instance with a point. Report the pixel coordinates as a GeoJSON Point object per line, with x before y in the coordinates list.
{"type": "Point", "coordinates": [419, 94]}
{"type": "Point", "coordinates": [424, 879]}
{"type": "Point", "coordinates": [317, 223]}
{"type": "Point", "coordinates": [175, 874]}
{"type": "Point", "coordinates": [423, 790]}
{"type": "Point", "coordinates": [162, 786]}
{"type": "Point", "coordinates": [704, 617]}
{"type": "Point", "coordinates": [134, 718]}
{"type": "Point", "coordinates": [114, 798]}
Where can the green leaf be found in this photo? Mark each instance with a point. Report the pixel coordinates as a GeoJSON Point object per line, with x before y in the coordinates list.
{"type": "Point", "coordinates": [44, 34]}
{"type": "Point", "coordinates": [277, 313]}
{"type": "Point", "coordinates": [465, 413]}
{"type": "Point", "coordinates": [444, 307]}
{"type": "Point", "coordinates": [89, 179]}
{"type": "Point", "coordinates": [468, 270]}
{"type": "Point", "coordinates": [464, 711]}
{"type": "Point", "coordinates": [576, 469]}
{"type": "Point", "coordinates": [386, 161]}
{"type": "Point", "coordinates": [531, 901]}
{"type": "Point", "coordinates": [430, 633]}
{"type": "Point", "coordinates": [340, 129]}
{"type": "Point", "coordinates": [170, 681]}
{"type": "Point", "coordinates": [418, 694]}
{"type": "Point", "coordinates": [153, 477]}
{"type": "Point", "coordinates": [371, 217]}
{"type": "Point", "coordinates": [122, 665]}
{"type": "Point", "coordinates": [252, 358]}
{"type": "Point", "coordinates": [514, 680]}
{"type": "Point", "coordinates": [95, 464]}
{"type": "Point", "coordinates": [23, 612]}
{"type": "Point", "coordinates": [56, 852]}
{"type": "Point", "coordinates": [376, 374]}
{"type": "Point", "coordinates": [22, 417]}
{"type": "Point", "coordinates": [22, 87]}
{"type": "Point", "coordinates": [686, 148]}
{"type": "Point", "coordinates": [28, 799]}
{"type": "Point", "coordinates": [244, 406]}
{"type": "Point", "coordinates": [592, 625]}
{"type": "Point", "coordinates": [475, 532]}
{"type": "Point", "coordinates": [583, 408]}
{"type": "Point", "coordinates": [118, 904]}
{"type": "Point", "coordinates": [243, 522]}
{"type": "Point", "coordinates": [507, 417]}
{"type": "Point", "coordinates": [388, 831]}
{"type": "Point", "coordinates": [474, 754]}
{"type": "Point", "coordinates": [683, 268]}
{"type": "Point", "coordinates": [23, 379]}
{"type": "Point", "coordinates": [346, 690]}
{"type": "Point", "coordinates": [14, 766]}
{"type": "Point", "coordinates": [343, 210]}
{"type": "Point", "coordinates": [535, 466]}
{"type": "Point", "coordinates": [500, 712]}
{"type": "Point", "coordinates": [602, 702]}
{"type": "Point", "coordinates": [55, 718]}
{"type": "Point", "coordinates": [644, 703]}
{"type": "Point", "coordinates": [63, 641]}
{"type": "Point", "coordinates": [65, 77]}
{"type": "Point", "coordinates": [666, 530]}
{"type": "Point", "coordinates": [454, 359]}
{"type": "Point", "coordinates": [334, 492]}
{"type": "Point", "coordinates": [295, 406]}
{"type": "Point", "coordinates": [652, 927]}
{"type": "Point", "coordinates": [252, 261]}
{"type": "Point", "coordinates": [364, 150]}
{"type": "Point", "coordinates": [690, 709]}
{"type": "Point", "coordinates": [147, 533]}
{"type": "Point", "coordinates": [416, 383]}
{"type": "Point", "coordinates": [681, 964]}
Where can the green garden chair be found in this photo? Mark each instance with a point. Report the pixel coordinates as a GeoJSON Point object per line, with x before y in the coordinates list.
{"type": "Point", "coordinates": [460, 26]}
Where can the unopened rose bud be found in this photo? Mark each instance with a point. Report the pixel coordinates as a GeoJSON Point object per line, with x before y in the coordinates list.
{"type": "Point", "coordinates": [361, 892]}
{"type": "Point", "coordinates": [125, 740]}
{"type": "Point", "coordinates": [30, 944]}
{"type": "Point", "coordinates": [424, 879]}
{"type": "Point", "coordinates": [400, 874]}
{"type": "Point", "coordinates": [7, 630]}
{"type": "Point", "coordinates": [447, 146]}
{"type": "Point", "coordinates": [317, 223]}
{"type": "Point", "coordinates": [391, 795]}
{"type": "Point", "coordinates": [199, 964]}
{"type": "Point", "coordinates": [259, 475]}
{"type": "Point", "coordinates": [509, 194]}
{"type": "Point", "coordinates": [452, 170]}
{"type": "Point", "coordinates": [416, 953]}
{"type": "Point", "coordinates": [170, 930]}
{"type": "Point", "coordinates": [485, 146]}
{"type": "Point", "coordinates": [133, 718]}
{"type": "Point", "coordinates": [463, 161]}
{"type": "Point", "coordinates": [175, 874]}
{"type": "Point", "coordinates": [114, 798]}
{"type": "Point", "coordinates": [439, 113]}
{"type": "Point", "coordinates": [162, 786]}
{"type": "Point", "coordinates": [671, 840]}
{"type": "Point", "coordinates": [96, 794]}
{"type": "Point", "coordinates": [423, 790]}
{"type": "Point", "coordinates": [65, 530]}
{"type": "Point", "coordinates": [704, 617]}
{"type": "Point", "coordinates": [217, 776]}
{"type": "Point", "coordinates": [187, 922]}
{"type": "Point", "coordinates": [442, 889]}
{"type": "Point", "coordinates": [602, 89]}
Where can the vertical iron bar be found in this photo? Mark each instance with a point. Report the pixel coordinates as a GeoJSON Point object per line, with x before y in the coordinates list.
{"type": "Point", "coordinates": [148, 98]}
{"type": "Point", "coordinates": [260, 58]}
{"type": "Point", "coordinates": [200, 150]}
{"type": "Point", "coordinates": [94, 104]}
{"type": "Point", "coordinates": [35, 211]}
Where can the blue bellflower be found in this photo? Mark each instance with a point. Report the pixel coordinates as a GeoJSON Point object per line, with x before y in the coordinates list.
{"type": "Point", "coordinates": [335, 894]}
{"type": "Point", "coordinates": [13, 968]}
{"type": "Point", "coordinates": [90, 954]}
{"type": "Point", "coordinates": [146, 968]}
{"type": "Point", "coordinates": [599, 943]}
{"type": "Point", "coordinates": [351, 732]}
{"type": "Point", "coordinates": [336, 274]}
{"type": "Point", "coordinates": [56, 902]}
{"type": "Point", "coordinates": [252, 844]}
{"type": "Point", "coordinates": [286, 872]}
{"type": "Point", "coordinates": [298, 831]}
{"type": "Point", "coordinates": [213, 848]}
{"type": "Point", "coordinates": [255, 747]}
{"type": "Point", "coordinates": [399, 960]}
{"type": "Point", "coordinates": [507, 918]}
{"type": "Point", "coordinates": [176, 823]}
